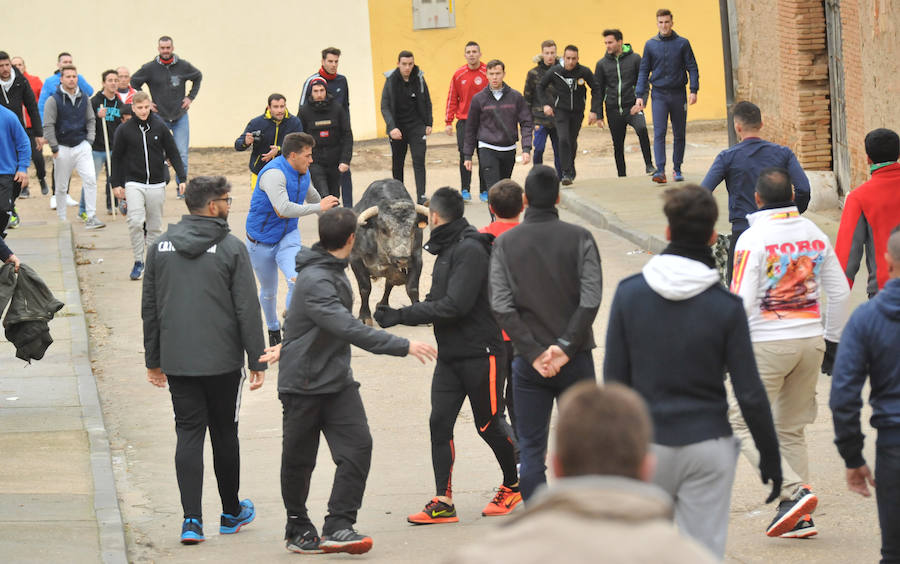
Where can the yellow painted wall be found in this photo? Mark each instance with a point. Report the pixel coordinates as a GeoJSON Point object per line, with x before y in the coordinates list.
{"type": "Point", "coordinates": [513, 31]}
{"type": "Point", "coordinates": [245, 50]}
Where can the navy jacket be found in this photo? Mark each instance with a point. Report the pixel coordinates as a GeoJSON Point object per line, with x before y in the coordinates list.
{"type": "Point", "coordinates": [739, 167]}
{"type": "Point", "coordinates": [870, 345]}
{"type": "Point", "coordinates": [336, 86]}
{"type": "Point", "coordinates": [667, 63]}
{"type": "Point", "coordinates": [271, 133]}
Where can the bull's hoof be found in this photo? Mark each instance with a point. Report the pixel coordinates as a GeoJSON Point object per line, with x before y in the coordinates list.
{"type": "Point", "coordinates": [368, 321]}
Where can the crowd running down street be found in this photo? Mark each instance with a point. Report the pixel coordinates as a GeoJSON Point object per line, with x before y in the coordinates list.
{"type": "Point", "coordinates": [647, 448]}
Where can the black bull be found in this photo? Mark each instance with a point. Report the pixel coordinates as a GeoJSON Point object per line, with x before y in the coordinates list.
{"type": "Point", "coordinates": [388, 242]}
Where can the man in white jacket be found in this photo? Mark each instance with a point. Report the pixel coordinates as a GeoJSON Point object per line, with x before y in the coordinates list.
{"type": "Point", "coordinates": [781, 265]}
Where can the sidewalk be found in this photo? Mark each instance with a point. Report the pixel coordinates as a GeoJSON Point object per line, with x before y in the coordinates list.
{"type": "Point", "coordinates": [58, 498]}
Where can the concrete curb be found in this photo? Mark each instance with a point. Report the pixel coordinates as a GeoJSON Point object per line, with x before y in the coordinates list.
{"type": "Point", "coordinates": [106, 501]}
{"type": "Point", "coordinates": [605, 219]}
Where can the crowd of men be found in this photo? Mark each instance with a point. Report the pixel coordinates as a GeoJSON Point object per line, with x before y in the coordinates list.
{"type": "Point", "coordinates": [503, 340]}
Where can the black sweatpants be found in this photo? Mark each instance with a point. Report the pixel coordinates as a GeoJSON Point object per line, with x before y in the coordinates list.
{"type": "Point", "coordinates": [37, 156]}
{"type": "Point", "coordinates": [341, 417]}
{"type": "Point", "coordinates": [736, 231]}
{"type": "Point", "coordinates": [481, 379]}
{"type": "Point", "coordinates": [618, 125]}
{"type": "Point", "coordinates": [494, 166]}
{"type": "Point", "coordinates": [202, 402]}
{"type": "Point", "coordinates": [347, 188]}
{"type": "Point", "coordinates": [414, 140]}
{"type": "Point", "coordinates": [326, 178]}
{"type": "Point", "coordinates": [465, 176]}
{"type": "Point", "coordinates": [568, 126]}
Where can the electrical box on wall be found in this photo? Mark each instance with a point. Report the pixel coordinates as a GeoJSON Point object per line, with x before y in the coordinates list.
{"type": "Point", "coordinates": [433, 14]}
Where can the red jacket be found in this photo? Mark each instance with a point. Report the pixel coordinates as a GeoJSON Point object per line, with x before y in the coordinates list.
{"type": "Point", "coordinates": [36, 85]}
{"type": "Point", "coordinates": [464, 84]}
{"type": "Point", "coordinates": [871, 211]}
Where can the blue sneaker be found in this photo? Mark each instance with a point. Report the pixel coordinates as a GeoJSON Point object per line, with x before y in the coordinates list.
{"type": "Point", "coordinates": [678, 176]}
{"type": "Point", "coordinates": [192, 532]}
{"type": "Point", "coordinates": [483, 197]}
{"type": "Point", "coordinates": [467, 197]}
{"type": "Point", "coordinates": [137, 270]}
{"type": "Point", "coordinates": [231, 524]}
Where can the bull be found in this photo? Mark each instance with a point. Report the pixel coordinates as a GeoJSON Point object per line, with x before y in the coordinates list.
{"type": "Point", "coordinates": [388, 242]}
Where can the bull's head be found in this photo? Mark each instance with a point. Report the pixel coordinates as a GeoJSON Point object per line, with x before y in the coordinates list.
{"type": "Point", "coordinates": [396, 226]}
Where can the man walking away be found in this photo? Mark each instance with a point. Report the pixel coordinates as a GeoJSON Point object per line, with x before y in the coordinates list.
{"type": "Point", "coordinates": [871, 347]}
{"type": "Point", "coordinates": [616, 75]}
{"type": "Point", "coordinates": [406, 109]}
{"type": "Point", "coordinates": [551, 331]}
{"type": "Point", "coordinates": [544, 125]}
{"type": "Point", "coordinates": [668, 62]}
{"type": "Point", "coordinates": [199, 276]}
{"type": "Point", "coordinates": [656, 345]}
{"type": "Point", "coordinates": [467, 81]}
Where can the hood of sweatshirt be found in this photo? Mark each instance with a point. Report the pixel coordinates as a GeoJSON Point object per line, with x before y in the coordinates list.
{"type": "Point", "coordinates": [888, 299]}
{"type": "Point", "coordinates": [317, 255]}
{"type": "Point", "coordinates": [196, 234]}
{"type": "Point", "coordinates": [626, 50]}
{"type": "Point", "coordinates": [445, 235]}
{"type": "Point", "coordinates": [678, 278]}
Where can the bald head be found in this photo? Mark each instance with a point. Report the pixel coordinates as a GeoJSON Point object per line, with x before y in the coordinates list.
{"type": "Point", "coordinates": [892, 256]}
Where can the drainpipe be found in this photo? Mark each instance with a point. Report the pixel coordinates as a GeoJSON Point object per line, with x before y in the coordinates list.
{"type": "Point", "coordinates": [729, 72]}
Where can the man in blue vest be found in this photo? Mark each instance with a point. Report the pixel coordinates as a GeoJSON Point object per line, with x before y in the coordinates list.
{"type": "Point", "coordinates": [280, 196]}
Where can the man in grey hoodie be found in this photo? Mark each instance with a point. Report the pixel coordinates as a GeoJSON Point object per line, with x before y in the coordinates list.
{"type": "Point", "coordinates": [198, 277]}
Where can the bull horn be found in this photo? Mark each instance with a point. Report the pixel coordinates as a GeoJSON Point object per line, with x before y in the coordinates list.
{"type": "Point", "coordinates": [366, 215]}
{"type": "Point", "coordinates": [422, 210]}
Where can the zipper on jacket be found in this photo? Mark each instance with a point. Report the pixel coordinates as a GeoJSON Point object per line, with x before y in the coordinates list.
{"type": "Point", "coordinates": [619, 74]}
{"type": "Point", "coordinates": [146, 156]}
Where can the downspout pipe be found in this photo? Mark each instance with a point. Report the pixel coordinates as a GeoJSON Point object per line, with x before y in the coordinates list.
{"type": "Point", "coordinates": [729, 70]}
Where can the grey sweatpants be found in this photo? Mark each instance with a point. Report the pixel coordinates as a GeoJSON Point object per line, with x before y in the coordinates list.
{"type": "Point", "coordinates": [699, 478]}
{"type": "Point", "coordinates": [145, 204]}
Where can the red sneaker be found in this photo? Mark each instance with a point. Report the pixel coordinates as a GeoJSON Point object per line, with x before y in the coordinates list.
{"type": "Point", "coordinates": [503, 502]}
{"type": "Point", "coordinates": [435, 512]}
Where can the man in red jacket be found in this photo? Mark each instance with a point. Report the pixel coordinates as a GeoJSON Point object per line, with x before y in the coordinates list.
{"type": "Point", "coordinates": [871, 211]}
{"type": "Point", "coordinates": [468, 80]}
{"type": "Point", "coordinates": [34, 130]}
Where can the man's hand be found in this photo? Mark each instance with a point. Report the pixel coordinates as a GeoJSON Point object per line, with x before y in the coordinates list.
{"type": "Point", "coordinates": [543, 366]}
{"type": "Point", "coordinates": [13, 260]}
{"type": "Point", "coordinates": [468, 165]}
{"type": "Point", "coordinates": [101, 112]}
{"type": "Point", "coordinates": [548, 111]}
{"type": "Point", "coordinates": [639, 104]}
{"type": "Point", "coordinates": [328, 202]}
{"type": "Point", "coordinates": [395, 134]}
{"type": "Point", "coordinates": [21, 178]}
{"type": "Point", "coordinates": [153, 107]}
{"type": "Point", "coordinates": [39, 142]}
{"type": "Point", "coordinates": [273, 152]}
{"type": "Point", "coordinates": [248, 139]}
{"type": "Point", "coordinates": [526, 158]}
{"type": "Point", "coordinates": [427, 130]}
{"type": "Point", "coordinates": [423, 351]}
{"type": "Point", "coordinates": [271, 354]}
{"type": "Point", "coordinates": [692, 99]}
{"type": "Point", "coordinates": [185, 104]}
{"type": "Point", "coordinates": [181, 187]}
{"type": "Point", "coordinates": [156, 377]}
{"type": "Point", "coordinates": [449, 129]}
{"type": "Point", "coordinates": [257, 377]}
{"type": "Point", "coordinates": [600, 122]}
{"type": "Point", "coordinates": [558, 358]}
{"type": "Point", "coordinates": [386, 316]}
{"type": "Point", "coordinates": [857, 478]}
{"type": "Point", "coordinates": [592, 118]}
{"type": "Point", "coordinates": [343, 167]}
{"type": "Point", "coordinates": [56, 154]}
{"type": "Point", "coordinates": [119, 192]}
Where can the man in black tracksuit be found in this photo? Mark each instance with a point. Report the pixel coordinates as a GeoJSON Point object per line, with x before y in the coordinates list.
{"type": "Point", "coordinates": [563, 91]}
{"type": "Point", "coordinates": [329, 124]}
{"type": "Point", "coordinates": [199, 276]}
{"type": "Point", "coordinates": [471, 354]}
{"type": "Point", "coordinates": [544, 125]}
{"type": "Point", "coordinates": [616, 75]}
{"type": "Point", "coordinates": [406, 109]}
{"type": "Point", "coordinates": [318, 392]}
{"type": "Point", "coordinates": [546, 286]}
{"type": "Point", "coordinates": [16, 92]}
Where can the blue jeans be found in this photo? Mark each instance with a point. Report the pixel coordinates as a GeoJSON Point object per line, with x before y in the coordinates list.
{"type": "Point", "coordinates": [668, 104]}
{"type": "Point", "coordinates": [887, 496]}
{"type": "Point", "coordinates": [534, 395]}
{"type": "Point", "coordinates": [347, 189]}
{"type": "Point", "coordinates": [267, 260]}
{"type": "Point", "coordinates": [181, 131]}
{"type": "Point", "coordinates": [540, 143]}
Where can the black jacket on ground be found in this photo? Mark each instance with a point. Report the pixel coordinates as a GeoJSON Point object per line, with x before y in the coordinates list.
{"type": "Point", "coordinates": [394, 88]}
{"type": "Point", "coordinates": [31, 307]}
{"type": "Point", "coordinates": [167, 84]}
{"type": "Point", "coordinates": [199, 302]}
{"type": "Point", "coordinates": [20, 94]}
{"type": "Point", "coordinates": [458, 304]}
{"type": "Point", "coordinates": [140, 151]}
{"type": "Point", "coordinates": [616, 78]}
{"type": "Point", "coordinates": [497, 121]}
{"type": "Point", "coordinates": [529, 92]}
{"type": "Point", "coordinates": [566, 90]}
{"type": "Point", "coordinates": [329, 124]}
{"type": "Point", "coordinates": [546, 284]}
{"type": "Point", "coordinates": [319, 329]}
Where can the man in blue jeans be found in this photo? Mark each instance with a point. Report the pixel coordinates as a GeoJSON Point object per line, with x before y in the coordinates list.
{"type": "Point", "coordinates": [667, 63]}
{"type": "Point", "coordinates": [280, 196]}
{"type": "Point", "coordinates": [870, 345]}
{"type": "Point", "coordinates": [550, 331]}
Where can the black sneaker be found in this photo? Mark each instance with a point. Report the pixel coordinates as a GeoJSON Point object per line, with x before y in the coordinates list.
{"type": "Point", "coordinates": [650, 169]}
{"type": "Point", "coordinates": [566, 181]}
{"type": "Point", "coordinates": [305, 543]}
{"type": "Point", "coordinates": [802, 530]}
{"type": "Point", "coordinates": [792, 510]}
{"type": "Point", "coordinates": [346, 540]}
{"type": "Point", "coordinates": [192, 531]}
{"type": "Point", "coordinates": [44, 189]}
{"type": "Point", "coordinates": [25, 193]}
{"type": "Point", "coordinates": [274, 337]}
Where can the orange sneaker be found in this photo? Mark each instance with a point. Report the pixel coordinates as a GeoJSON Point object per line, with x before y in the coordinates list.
{"type": "Point", "coordinates": [503, 502]}
{"type": "Point", "coordinates": [436, 511]}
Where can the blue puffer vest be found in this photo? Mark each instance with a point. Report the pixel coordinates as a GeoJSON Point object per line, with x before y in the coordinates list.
{"type": "Point", "coordinates": [263, 224]}
{"type": "Point", "coordinates": [71, 120]}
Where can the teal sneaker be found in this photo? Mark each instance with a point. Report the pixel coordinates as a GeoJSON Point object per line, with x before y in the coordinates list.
{"type": "Point", "coordinates": [231, 524]}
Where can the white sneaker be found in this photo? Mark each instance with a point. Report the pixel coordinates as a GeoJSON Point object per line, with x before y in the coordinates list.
{"type": "Point", "coordinates": [70, 202]}
{"type": "Point", "coordinates": [52, 202]}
